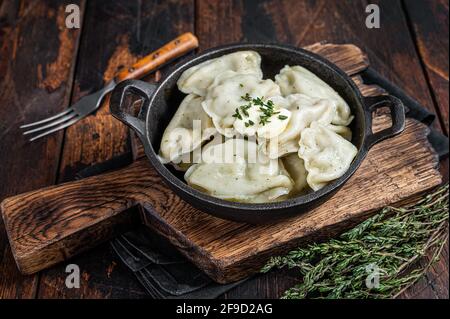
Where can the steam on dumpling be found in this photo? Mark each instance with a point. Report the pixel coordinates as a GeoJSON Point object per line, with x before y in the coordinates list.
{"type": "Point", "coordinates": [327, 155]}
{"type": "Point", "coordinates": [198, 78]}
{"type": "Point", "coordinates": [235, 170]}
{"type": "Point", "coordinates": [295, 166]}
{"type": "Point", "coordinates": [297, 79]}
{"type": "Point", "coordinates": [229, 103]}
{"type": "Point", "coordinates": [189, 127]}
{"type": "Point", "coordinates": [304, 110]}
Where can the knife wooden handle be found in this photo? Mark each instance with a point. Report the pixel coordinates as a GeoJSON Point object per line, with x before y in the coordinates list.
{"type": "Point", "coordinates": [174, 49]}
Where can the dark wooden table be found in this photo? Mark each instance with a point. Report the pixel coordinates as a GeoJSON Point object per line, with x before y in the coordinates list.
{"type": "Point", "coordinates": [44, 66]}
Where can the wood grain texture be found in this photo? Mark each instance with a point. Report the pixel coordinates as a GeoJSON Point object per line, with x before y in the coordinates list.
{"type": "Point", "coordinates": [390, 49]}
{"type": "Point", "coordinates": [37, 55]}
{"type": "Point", "coordinates": [429, 20]}
{"type": "Point", "coordinates": [394, 170]}
{"type": "Point", "coordinates": [429, 26]}
{"type": "Point", "coordinates": [114, 35]}
{"type": "Point", "coordinates": [176, 48]}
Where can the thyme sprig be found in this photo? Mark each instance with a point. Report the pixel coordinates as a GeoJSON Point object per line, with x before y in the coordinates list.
{"type": "Point", "coordinates": [267, 109]}
{"type": "Point", "coordinates": [393, 240]}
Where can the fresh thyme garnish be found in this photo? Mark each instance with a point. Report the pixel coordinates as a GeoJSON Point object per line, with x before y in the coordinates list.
{"type": "Point", "coordinates": [249, 123]}
{"type": "Point", "coordinates": [244, 109]}
{"type": "Point", "coordinates": [237, 114]}
{"type": "Point", "coordinates": [246, 97]}
{"type": "Point", "coordinates": [267, 108]}
{"type": "Point", "coordinates": [394, 241]}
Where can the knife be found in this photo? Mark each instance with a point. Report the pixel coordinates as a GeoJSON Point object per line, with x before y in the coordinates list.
{"type": "Point", "coordinates": [89, 103]}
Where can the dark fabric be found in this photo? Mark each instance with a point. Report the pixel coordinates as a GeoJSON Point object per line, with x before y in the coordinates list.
{"type": "Point", "coordinates": [161, 269]}
{"type": "Point", "coordinates": [414, 109]}
{"type": "Point", "coordinates": [164, 272]}
{"type": "Point", "coordinates": [439, 142]}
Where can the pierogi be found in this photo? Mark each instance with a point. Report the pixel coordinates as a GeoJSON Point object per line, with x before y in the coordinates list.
{"type": "Point", "coordinates": [273, 139]}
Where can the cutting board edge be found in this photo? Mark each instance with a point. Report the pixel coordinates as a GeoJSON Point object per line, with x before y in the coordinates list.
{"type": "Point", "coordinates": [228, 270]}
{"type": "Point", "coordinates": [55, 251]}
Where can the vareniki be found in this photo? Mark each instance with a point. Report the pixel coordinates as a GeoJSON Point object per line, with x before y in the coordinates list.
{"type": "Point", "coordinates": [256, 140]}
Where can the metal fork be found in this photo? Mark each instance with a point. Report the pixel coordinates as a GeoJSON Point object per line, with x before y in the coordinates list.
{"type": "Point", "coordinates": [73, 114]}
{"type": "Point", "coordinates": [88, 104]}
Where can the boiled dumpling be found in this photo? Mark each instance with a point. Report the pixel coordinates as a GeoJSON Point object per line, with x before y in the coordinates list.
{"type": "Point", "coordinates": [189, 127]}
{"type": "Point", "coordinates": [327, 155]}
{"type": "Point", "coordinates": [195, 156]}
{"type": "Point", "coordinates": [297, 79]}
{"type": "Point", "coordinates": [235, 170]}
{"type": "Point", "coordinates": [304, 110]}
{"type": "Point", "coordinates": [343, 131]}
{"type": "Point", "coordinates": [227, 96]}
{"type": "Point", "coordinates": [295, 166]}
{"type": "Point", "coordinates": [198, 78]}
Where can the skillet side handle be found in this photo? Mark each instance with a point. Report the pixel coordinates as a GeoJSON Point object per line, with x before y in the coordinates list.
{"type": "Point", "coordinates": [123, 112]}
{"type": "Point", "coordinates": [397, 114]}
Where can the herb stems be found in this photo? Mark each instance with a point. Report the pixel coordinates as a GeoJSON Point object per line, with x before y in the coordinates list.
{"type": "Point", "coordinates": [267, 109]}
{"type": "Point", "coordinates": [392, 241]}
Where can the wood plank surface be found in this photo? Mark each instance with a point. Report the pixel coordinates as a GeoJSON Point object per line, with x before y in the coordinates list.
{"type": "Point", "coordinates": [390, 50]}
{"type": "Point", "coordinates": [114, 35]}
{"type": "Point", "coordinates": [49, 226]}
{"type": "Point", "coordinates": [393, 171]}
{"type": "Point", "coordinates": [429, 27]}
{"type": "Point", "coordinates": [429, 22]}
{"type": "Point", "coordinates": [37, 59]}
{"type": "Point", "coordinates": [227, 250]}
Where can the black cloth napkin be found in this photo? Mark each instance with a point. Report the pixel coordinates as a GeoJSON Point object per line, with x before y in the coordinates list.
{"type": "Point", "coordinates": [162, 270]}
{"type": "Point", "coordinates": [157, 265]}
{"type": "Point", "coordinates": [165, 273]}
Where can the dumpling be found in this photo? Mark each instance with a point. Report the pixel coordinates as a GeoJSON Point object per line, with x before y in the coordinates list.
{"type": "Point", "coordinates": [327, 155]}
{"type": "Point", "coordinates": [195, 156]}
{"type": "Point", "coordinates": [297, 79]}
{"type": "Point", "coordinates": [198, 78]}
{"type": "Point", "coordinates": [295, 166]}
{"type": "Point", "coordinates": [343, 131]}
{"type": "Point", "coordinates": [304, 110]}
{"type": "Point", "coordinates": [236, 171]}
{"type": "Point", "coordinates": [189, 127]}
{"type": "Point", "coordinates": [228, 103]}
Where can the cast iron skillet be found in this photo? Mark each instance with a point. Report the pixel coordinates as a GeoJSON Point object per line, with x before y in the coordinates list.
{"type": "Point", "coordinates": [160, 103]}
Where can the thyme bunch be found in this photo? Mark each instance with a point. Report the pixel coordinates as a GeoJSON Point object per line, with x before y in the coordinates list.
{"type": "Point", "coordinates": [393, 240]}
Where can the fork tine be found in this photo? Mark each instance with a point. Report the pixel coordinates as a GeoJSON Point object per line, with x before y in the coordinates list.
{"type": "Point", "coordinates": [60, 127]}
{"type": "Point", "coordinates": [60, 120]}
{"type": "Point", "coordinates": [48, 118]}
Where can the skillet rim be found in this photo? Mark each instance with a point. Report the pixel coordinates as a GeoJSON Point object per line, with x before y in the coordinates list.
{"type": "Point", "coordinates": [261, 208]}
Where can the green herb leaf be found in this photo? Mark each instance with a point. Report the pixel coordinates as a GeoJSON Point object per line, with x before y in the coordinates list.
{"type": "Point", "coordinates": [246, 97]}
{"type": "Point", "coordinates": [393, 240]}
{"type": "Point", "coordinates": [237, 114]}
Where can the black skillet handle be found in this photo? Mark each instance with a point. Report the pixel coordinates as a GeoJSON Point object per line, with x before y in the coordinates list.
{"type": "Point", "coordinates": [397, 114]}
{"type": "Point", "coordinates": [122, 111]}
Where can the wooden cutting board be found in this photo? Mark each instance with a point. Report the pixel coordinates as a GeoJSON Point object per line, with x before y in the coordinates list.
{"type": "Point", "coordinates": [50, 225]}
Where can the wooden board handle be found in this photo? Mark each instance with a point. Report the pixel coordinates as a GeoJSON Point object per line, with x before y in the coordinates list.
{"type": "Point", "coordinates": [49, 225]}
{"type": "Point", "coordinates": [174, 49]}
